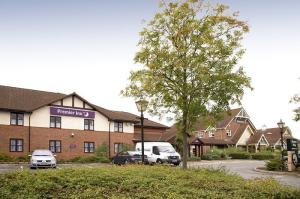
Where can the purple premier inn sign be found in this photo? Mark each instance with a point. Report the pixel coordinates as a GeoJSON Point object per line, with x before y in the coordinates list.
{"type": "Point", "coordinates": [71, 112]}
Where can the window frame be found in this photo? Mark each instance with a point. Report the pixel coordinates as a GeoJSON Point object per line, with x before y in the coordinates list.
{"type": "Point", "coordinates": [55, 121]}
{"type": "Point", "coordinates": [89, 121]}
{"type": "Point", "coordinates": [16, 145]}
{"type": "Point", "coordinates": [17, 118]}
{"type": "Point", "coordinates": [55, 146]}
{"type": "Point", "coordinates": [89, 147]}
{"type": "Point", "coordinates": [228, 133]}
{"type": "Point", "coordinates": [118, 126]}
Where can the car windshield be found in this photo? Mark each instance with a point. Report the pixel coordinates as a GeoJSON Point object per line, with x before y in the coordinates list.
{"type": "Point", "coordinates": [167, 149]}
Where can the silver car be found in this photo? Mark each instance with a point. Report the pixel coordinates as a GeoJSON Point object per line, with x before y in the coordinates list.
{"type": "Point", "coordinates": [42, 158]}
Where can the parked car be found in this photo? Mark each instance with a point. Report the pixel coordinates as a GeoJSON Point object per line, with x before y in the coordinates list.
{"type": "Point", "coordinates": [159, 152]}
{"type": "Point", "coordinates": [42, 158]}
{"type": "Point", "coordinates": [126, 157]}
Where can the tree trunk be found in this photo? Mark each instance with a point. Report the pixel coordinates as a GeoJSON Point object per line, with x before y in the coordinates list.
{"type": "Point", "coordinates": [184, 141]}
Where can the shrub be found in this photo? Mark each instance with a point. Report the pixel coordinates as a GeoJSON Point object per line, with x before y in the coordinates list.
{"type": "Point", "coordinates": [263, 156]}
{"type": "Point", "coordinates": [239, 155]}
{"type": "Point", "coordinates": [5, 158]}
{"type": "Point", "coordinates": [90, 159]}
{"type": "Point", "coordinates": [215, 154]}
{"type": "Point", "coordinates": [22, 159]}
{"type": "Point", "coordinates": [102, 151]}
{"type": "Point", "coordinates": [194, 158]}
{"type": "Point", "coordinates": [134, 182]}
{"type": "Point", "coordinates": [274, 165]}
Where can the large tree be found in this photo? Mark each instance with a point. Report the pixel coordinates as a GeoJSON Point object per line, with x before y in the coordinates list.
{"type": "Point", "coordinates": [189, 54]}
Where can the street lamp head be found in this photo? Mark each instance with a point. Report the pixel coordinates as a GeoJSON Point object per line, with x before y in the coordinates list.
{"type": "Point", "coordinates": [280, 124]}
{"type": "Point", "coordinates": [141, 105]}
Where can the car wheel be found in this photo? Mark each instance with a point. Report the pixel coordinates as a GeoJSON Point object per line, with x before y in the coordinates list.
{"type": "Point", "coordinates": [159, 161]}
{"type": "Point", "coordinates": [126, 161]}
{"type": "Point", "coordinates": [295, 159]}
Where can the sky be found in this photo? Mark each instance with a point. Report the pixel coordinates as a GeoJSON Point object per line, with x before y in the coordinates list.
{"type": "Point", "coordinates": [88, 46]}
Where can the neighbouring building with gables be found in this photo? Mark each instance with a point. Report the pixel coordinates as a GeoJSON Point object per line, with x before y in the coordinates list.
{"type": "Point", "coordinates": [68, 125]}
{"type": "Point", "coordinates": [235, 129]}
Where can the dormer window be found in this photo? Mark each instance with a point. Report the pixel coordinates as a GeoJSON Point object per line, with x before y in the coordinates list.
{"type": "Point", "coordinates": [199, 134]}
{"type": "Point", "coordinates": [228, 132]}
{"type": "Point", "coordinates": [211, 132]}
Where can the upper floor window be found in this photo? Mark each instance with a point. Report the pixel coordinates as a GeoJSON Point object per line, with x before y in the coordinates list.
{"type": "Point", "coordinates": [55, 146]}
{"type": "Point", "coordinates": [17, 119]}
{"type": "Point", "coordinates": [118, 127]}
{"type": "Point", "coordinates": [16, 145]}
{"type": "Point", "coordinates": [200, 134]}
{"type": "Point", "coordinates": [89, 147]}
{"type": "Point", "coordinates": [89, 124]}
{"type": "Point", "coordinates": [55, 122]}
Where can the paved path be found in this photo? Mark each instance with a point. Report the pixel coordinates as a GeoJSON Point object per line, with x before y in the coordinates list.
{"type": "Point", "coordinates": [245, 168]}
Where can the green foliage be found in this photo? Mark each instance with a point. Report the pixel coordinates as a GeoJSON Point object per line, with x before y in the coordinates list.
{"type": "Point", "coordinates": [90, 159]}
{"type": "Point", "coordinates": [296, 100]}
{"type": "Point", "coordinates": [189, 52]}
{"type": "Point", "coordinates": [215, 154]}
{"type": "Point", "coordinates": [263, 155]}
{"type": "Point", "coordinates": [274, 165]}
{"type": "Point", "coordinates": [137, 182]}
{"type": "Point", "coordinates": [102, 150]}
{"type": "Point", "coordinates": [239, 155]}
{"type": "Point", "coordinates": [7, 158]}
{"type": "Point", "coordinates": [194, 158]}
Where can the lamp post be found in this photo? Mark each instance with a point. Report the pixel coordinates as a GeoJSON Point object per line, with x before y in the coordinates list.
{"type": "Point", "coordinates": [281, 126]}
{"type": "Point", "coordinates": [141, 106]}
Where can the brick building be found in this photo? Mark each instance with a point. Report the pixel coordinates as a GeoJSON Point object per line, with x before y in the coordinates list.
{"type": "Point", "coordinates": [235, 129]}
{"type": "Point", "coordinates": [68, 125]}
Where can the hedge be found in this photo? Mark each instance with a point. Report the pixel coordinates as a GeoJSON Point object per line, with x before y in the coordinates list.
{"type": "Point", "coordinates": [262, 156]}
{"type": "Point", "coordinates": [239, 155]}
{"type": "Point", "coordinates": [138, 182]}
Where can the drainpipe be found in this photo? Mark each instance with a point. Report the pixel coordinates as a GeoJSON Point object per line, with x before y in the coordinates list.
{"type": "Point", "coordinates": [109, 139]}
{"type": "Point", "coordinates": [29, 134]}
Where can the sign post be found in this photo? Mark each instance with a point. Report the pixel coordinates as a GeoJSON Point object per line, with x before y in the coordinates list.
{"type": "Point", "coordinates": [292, 148]}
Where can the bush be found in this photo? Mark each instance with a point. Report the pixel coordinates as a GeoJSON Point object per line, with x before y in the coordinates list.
{"type": "Point", "coordinates": [90, 159]}
{"type": "Point", "coordinates": [134, 182]}
{"type": "Point", "coordinates": [215, 154]}
{"type": "Point", "coordinates": [102, 151]}
{"type": "Point", "coordinates": [239, 155]}
{"type": "Point", "coordinates": [5, 158]}
{"type": "Point", "coordinates": [22, 159]}
{"type": "Point", "coordinates": [274, 165]}
{"type": "Point", "coordinates": [263, 156]}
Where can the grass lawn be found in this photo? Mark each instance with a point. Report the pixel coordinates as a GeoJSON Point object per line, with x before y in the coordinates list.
{"type": "Point", "coordinates": [137, 182]}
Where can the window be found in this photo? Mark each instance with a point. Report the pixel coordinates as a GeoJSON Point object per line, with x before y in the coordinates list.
{"type": "Point", "coordinates": [200, 134]}
{"type": "Point", "coordinates": [89, 147]}
{"type": "Point", "coordinates": [55, 122]}
{"type": "Point", "coordinates": [55, 146]}
{"type": "Point", "coordinates": [17, 119]}
{"type": "Point", "coordinates": [16, 145]}
{"type": "Point", "coordinates": [118, 147]}
{"type": "Point", "coordinates": [211, 133]}
{"type": "Point", "coordinates": [118, 127]}
{"type": "Point", "coordinates": [89, 124]}
{"type": "Point", "coordinates": [228, 132]}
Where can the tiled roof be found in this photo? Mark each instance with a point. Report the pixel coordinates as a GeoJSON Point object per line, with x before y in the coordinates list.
{"type": "Point", "coordinates": [239, 132]}
{"type": "Point", "coordinates": [28, 100]}
{"type": "Point", "coordinates": [222, 123]}
{"type": "Point", "coordinates": [147, 137]}
{"type": "Point", "coordinates": [211, 141]}
{"type": "Point", "coordinates": [272, 135]}
{"type": "Point", "coordinates": [254, 138]}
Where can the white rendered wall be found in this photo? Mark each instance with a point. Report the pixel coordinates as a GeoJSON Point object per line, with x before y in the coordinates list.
{"type": "Point", "coordinates": [245, 137]}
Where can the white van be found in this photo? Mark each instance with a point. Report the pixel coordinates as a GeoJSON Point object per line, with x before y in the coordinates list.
{"type": "Point", "coordinates": [159, 152]}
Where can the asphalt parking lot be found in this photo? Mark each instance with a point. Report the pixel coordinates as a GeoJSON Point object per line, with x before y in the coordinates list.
{"type": "Point", "coordinates": [244, 168]}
